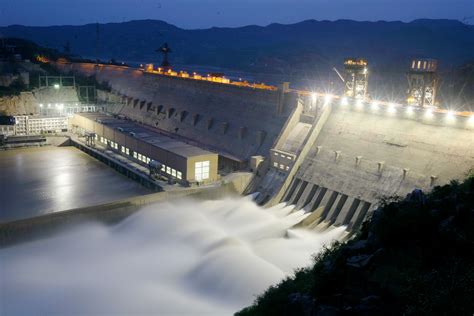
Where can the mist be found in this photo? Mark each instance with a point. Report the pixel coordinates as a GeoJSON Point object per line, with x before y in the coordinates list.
{"type": "Point", "coordinates": [181, 258]}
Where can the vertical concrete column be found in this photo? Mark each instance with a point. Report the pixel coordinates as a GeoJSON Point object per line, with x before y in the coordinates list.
{"type": "Point", "coordinates": [283, 88]}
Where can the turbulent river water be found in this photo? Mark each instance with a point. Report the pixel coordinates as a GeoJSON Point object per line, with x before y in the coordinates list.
{"type": "Point", "coordinates": [181, 258]}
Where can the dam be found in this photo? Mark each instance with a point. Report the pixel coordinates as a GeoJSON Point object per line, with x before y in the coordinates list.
{"type": "Point", "coordinates": [254, 181]}
{"type": "Point", "coordinates": [319, 152]}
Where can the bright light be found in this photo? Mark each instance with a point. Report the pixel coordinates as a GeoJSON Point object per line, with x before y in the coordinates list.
{"type": "Point", "coordinates": [344, 101]}
{"type": "Point", "coordinates": [41, 105]}
{"type": "Point", "coordinates": [450, 115]}
{"type": "Point", "coordinates": [471, 119]}
{"type": "Point", "coordinates": [49, 105]}
{"type": "Point", "coordinates": [56, 86]}
{"type": "Point", "coordinates": [374, 105]}
{"type": "Point", "coordinates": [429, 113]}
{"type": "Point", "coordinates": [392, 108]}
{"type": "Point", "coordinates": [313, 97]}
{"type": "Point", "coordinates": [359, 103]}
{"type": "Point", "coordinates": [409, 109]}
{"type": "Point", "coordinates": [327, 98]}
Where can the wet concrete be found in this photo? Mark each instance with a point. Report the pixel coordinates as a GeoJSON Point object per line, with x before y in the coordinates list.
{"type": "Point", "coordinates": [36, 181]}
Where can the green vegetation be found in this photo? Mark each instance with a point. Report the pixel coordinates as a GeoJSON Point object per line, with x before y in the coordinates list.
{"type": "Point", "coordinates": [413, 257]}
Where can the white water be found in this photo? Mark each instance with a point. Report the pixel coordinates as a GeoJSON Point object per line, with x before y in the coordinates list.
{"type": "Point", "coordinates": [187, 258]}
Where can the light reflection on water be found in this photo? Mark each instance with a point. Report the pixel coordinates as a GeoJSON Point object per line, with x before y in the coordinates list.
{"type": "Point", "coordinates": [35, 181]}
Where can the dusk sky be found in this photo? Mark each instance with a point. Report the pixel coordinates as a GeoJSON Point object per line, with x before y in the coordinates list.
{"type": "Point", "coordinates": [207, 13]}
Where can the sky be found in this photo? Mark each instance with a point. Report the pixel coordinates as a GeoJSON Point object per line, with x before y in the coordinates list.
{"type": "Point", "coordinates": [192, 14]}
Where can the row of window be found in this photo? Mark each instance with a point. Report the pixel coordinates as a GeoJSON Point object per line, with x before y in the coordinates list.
{"type": "Point", "coordinates": [165, 169]}
{"type": "Point", "coordinates": [140, 157]}
{"type": "Point", "coordinates": [283, 156]}
{"type": "Point", "coordinates": [280, 166]}
{"type": "Point", "coordinates": [172, 172]}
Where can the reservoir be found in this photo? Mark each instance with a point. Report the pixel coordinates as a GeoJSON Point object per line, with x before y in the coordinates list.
{"type": "Point", "coordinates": [35, 181]}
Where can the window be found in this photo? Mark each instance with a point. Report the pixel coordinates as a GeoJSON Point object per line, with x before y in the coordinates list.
{"type": "Point", "coordinates": [173, 172]}
{"type": "Point", "coordinates": [148, 160]}
{"type": "Point", "coordinates": [163, 168]}
{"type": "Point", "coordinates": [168, 170]}
{"type": "Point", "coordinates": [179, 175]}
{"type": "Point", "coordinates": [123, 149]}
{"type": "Point", "coordinates": [275, 164]}
{"type": "Point", "coordinates": [201, 170]}
{"type": "Point", "coordinates": [140, 157]}
{"type": "Point", "coordinates": [127, 151]}
{"type": "Point", "coordinates": [135, 155]}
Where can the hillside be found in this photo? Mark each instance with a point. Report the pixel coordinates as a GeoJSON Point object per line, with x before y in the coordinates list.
{"type": "Point", "coordinates": [413, 257]}
{"type": "Point", "coordinates": [309, 45]}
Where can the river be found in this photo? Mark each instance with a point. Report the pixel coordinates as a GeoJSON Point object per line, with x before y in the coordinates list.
{"type": "Point", "coordinates": [35, 181]}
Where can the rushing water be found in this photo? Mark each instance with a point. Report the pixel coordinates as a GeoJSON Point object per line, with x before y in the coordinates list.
{"type": "Point", "coordinates": [34, 181]}
{"type": "Point", "coordinates": [182, 258]}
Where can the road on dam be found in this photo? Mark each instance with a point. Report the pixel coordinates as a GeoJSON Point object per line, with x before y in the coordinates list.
{"type": "Point", "coordinates": [35, 181]}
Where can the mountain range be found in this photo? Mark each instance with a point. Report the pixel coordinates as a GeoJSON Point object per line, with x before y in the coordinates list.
{"type": "Point", "coordinates": [307, 46]}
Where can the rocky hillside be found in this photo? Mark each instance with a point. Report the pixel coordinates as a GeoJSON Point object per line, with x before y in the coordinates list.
{"type": "Point", "coordinates": [413, 257]}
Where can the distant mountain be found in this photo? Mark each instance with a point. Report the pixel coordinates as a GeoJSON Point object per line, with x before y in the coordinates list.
{"type": "Point", "coordinates": [306, 47]}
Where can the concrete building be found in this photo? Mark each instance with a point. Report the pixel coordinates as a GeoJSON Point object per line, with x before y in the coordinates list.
{"type": "Point", "coordinates": [183, 162]}
{"type": "Point", "coordinates": [36, 125]}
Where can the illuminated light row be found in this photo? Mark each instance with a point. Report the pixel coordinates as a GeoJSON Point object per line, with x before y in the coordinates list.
{"type": "Point", "coordinates": [391, 107]}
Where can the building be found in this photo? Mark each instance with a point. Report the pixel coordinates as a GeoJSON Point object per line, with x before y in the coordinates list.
{"type": "Point", "coordinates": [36, 125]}
{"type": "Point", "coordinates": [180, 161]}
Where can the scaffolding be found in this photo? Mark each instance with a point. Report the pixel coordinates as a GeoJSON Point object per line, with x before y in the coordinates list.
{"type": "Point", "coordinates": [422, 83]}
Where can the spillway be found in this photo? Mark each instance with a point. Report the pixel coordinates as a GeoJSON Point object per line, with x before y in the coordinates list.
{"type": "Point", "coordinates": [170, 258]}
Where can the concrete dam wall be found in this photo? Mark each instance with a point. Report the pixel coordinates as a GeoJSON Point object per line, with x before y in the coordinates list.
{"type": "Point", "coordinates": [332, 160]}
{"type": "Point", "coordinates": [237, 122]}
{"type": "Point", "coordinates": [360, 156]}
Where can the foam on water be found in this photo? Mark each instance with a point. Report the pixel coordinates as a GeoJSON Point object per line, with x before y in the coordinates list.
{"type": "Point", "coordinates": [184, 258]}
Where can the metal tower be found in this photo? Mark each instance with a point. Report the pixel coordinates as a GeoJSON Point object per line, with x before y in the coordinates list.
{"type": "Point", "coordinates": [165, 50]}
{"type": "Point", "coordinates": [356, 77]}
{"type": "Point", "coordinates": [422, 82]}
